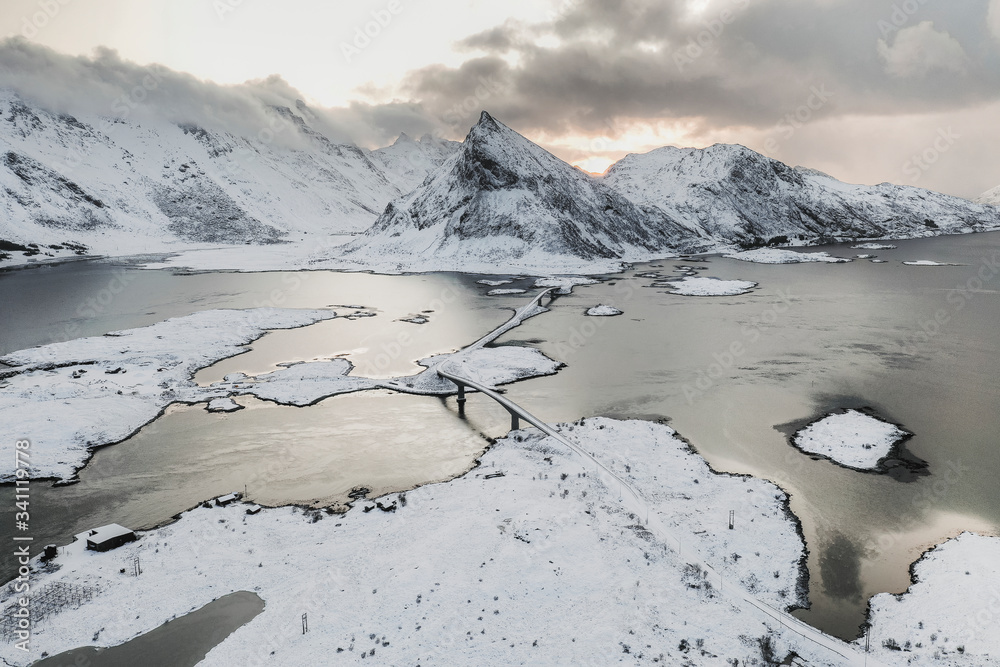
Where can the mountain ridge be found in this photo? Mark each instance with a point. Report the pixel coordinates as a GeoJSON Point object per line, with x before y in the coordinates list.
{"type": "Point", "coordinates": [502, 197]}
{"type": "Point", "coordinates": [163, 186]}
{"type": "Point", "coordinates": [118, 186]}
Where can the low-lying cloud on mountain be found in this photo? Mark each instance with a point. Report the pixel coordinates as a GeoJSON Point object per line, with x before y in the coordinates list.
{"type": "Point", "coordinates": [105, 84]}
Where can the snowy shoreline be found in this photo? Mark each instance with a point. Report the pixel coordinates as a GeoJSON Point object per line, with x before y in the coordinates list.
{"type": "Point", "coordinates": [72, 398]}
{"type": "Point", "coordinates": [947, 616]}
{"type": "Point", "coordinates": [545, 509]}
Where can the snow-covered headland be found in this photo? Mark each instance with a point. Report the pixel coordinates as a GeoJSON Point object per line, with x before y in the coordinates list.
{"type": "Point", "coordinates": [477, 570]}
{"type": "Point", "coordinates": [69, 398]}
{"type": "Point", "coordinates": [949, 615]}
{"type": "Point", "coordinates": [852, 439]}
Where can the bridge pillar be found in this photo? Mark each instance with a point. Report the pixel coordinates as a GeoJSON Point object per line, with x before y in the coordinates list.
{"type": "Point", "coordinates": [515, 423]}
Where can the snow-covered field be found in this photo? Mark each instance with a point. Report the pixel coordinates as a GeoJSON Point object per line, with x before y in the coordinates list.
{"type": "Point", "coordinates": [540, 566]}
{"type": "Point", "coordinates": [700, 286]}
{"type": "Point", "coordinates": [781, 256]}
{"type": "Point", "coordinates": [950, 615]}
{"type": "Point", "coordinates": [852, 439]}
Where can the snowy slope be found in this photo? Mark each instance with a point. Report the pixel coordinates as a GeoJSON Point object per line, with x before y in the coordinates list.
{"type": "Point", "coordinates": [743, 198]}
{"type": "Point", "coordinates": [991, 197]}
{"type": "Point", "coordinates": [407, 162]}
{"type": "Point", "coordinates": [506, 201]}
{"type": "Point", "coordinates": [118, 186]}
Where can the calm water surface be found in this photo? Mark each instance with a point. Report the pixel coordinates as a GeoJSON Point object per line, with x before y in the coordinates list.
{"type": "Point", "coordinates": [183, 642]}
{"type": "Point", "coordinates": [812, 338]}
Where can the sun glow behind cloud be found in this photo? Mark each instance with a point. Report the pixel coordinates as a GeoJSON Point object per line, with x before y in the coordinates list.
{"type": "Point", "coordinates": [595, 153]}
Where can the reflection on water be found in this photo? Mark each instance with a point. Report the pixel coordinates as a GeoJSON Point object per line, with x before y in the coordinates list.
{"type": "Point", "coordinates": [276, 454]}
{"type": "Point", "coordinates": [840, 568]}
{"type": "Point", "coordinates": [183, 642]}
{"type": "Point", "coordinates": [725, 371]}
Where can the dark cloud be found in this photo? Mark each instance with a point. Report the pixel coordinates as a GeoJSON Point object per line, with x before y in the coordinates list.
{"type": "Point", "coordinates": [762, 67]}
{"type": "Point", "coordinates": [737, 62]}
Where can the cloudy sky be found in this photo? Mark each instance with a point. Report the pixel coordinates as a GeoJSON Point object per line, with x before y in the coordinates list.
{"type": "Point", "coordinates": [906, 91]}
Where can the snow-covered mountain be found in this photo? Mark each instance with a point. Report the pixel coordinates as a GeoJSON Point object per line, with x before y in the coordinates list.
{"type": "Point", "coordinates": [119, 186]}
{"type": "Point", "coordinates": [133, 185]}
{"type": "Point", "coordinates": [991, 197]}
{"type": "Point", "coordinates": [504, 200]}
{"type": "Point", "coordinates": [407, 162]}
{"type": "Point", "coordinates": [737, 196]}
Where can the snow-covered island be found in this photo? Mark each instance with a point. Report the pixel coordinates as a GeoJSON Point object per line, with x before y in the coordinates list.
{"type": "Point", "coordinates": [564, 284]}
{"type": "Point", "coordinates": [782, 256]}
{"type": "Point", "coordinates": [852, 439]}
{"type": "Point", "coordinates": [505, 291]}
{"type": "Point", "coordinates": [702, 286]}
{"type": "Point", "coordinates": [874, 246]}
{"type": "Point", "coordinates": [603, 310]}
{"type": "Point", "coordinates": [928, 262]}
{"type": "Point", "coordinates": [223, 405]}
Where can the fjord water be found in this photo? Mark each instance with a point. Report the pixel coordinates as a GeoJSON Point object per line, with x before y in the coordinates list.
{"type": "Point", "coordinates": [732, 374]}
{"type": "Point", "coordinates": [183, 642]}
